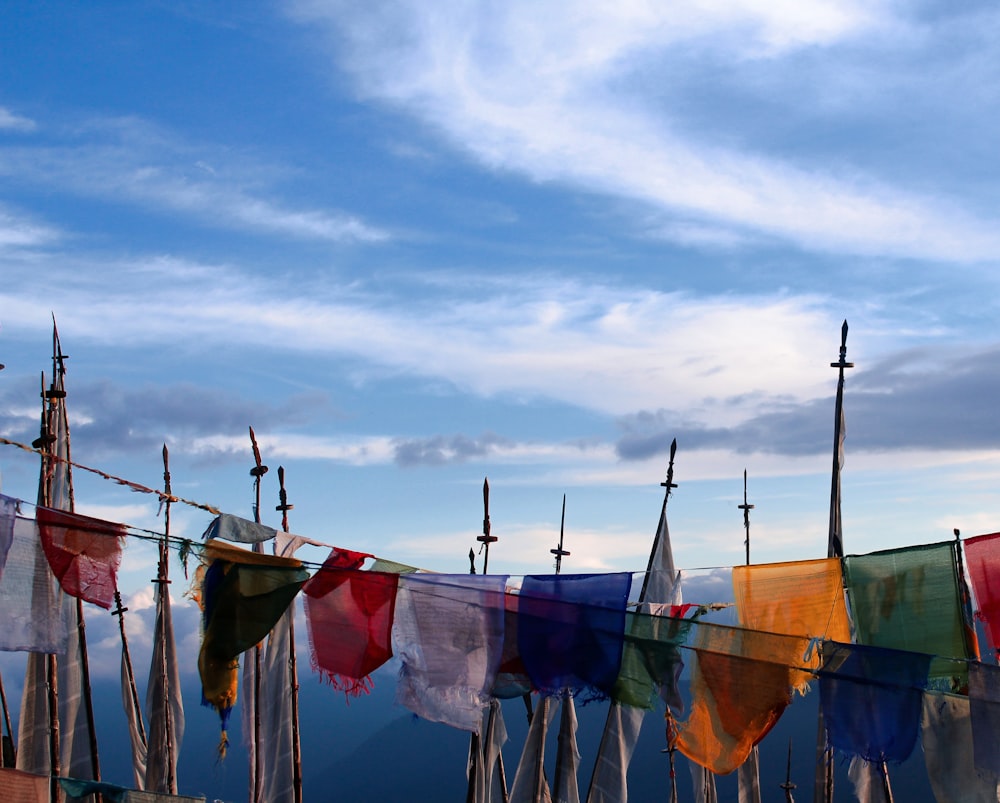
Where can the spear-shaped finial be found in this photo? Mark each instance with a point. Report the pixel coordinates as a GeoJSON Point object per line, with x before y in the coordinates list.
{"type": "Point", "coordinates": [669, 483]}
{"type": "Point", "coordinates": [559, 551]}
{"type": "Point", "coordinates": [487, 537]}
{"type": "Point", "coordinates": [283, 507]}
{"type": "Point", "coordinates": [258, 471]}
{"type": "Point", "coordinates": [746, 508]}
{"type": "Point", "coordinates": [788, 786]}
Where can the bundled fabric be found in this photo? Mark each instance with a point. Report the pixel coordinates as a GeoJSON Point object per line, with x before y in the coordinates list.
{"type": "Point", "coordinates": [84, 553]}
{"type": "Point", "coordinates": [530, 784]}
{"type": "Point", "coordinates": [571, 629]}
{"type": "Point", "coordinates": [243, 596]}
{"type": "Point", "coordinates": [8, 512]}
{"type": "Point", "coordinates": [164, 704]}
{"type": "Point", "coordinates": [946, 736]}
{"type": "Point", "coordinates": [798, 598]}
{"type": "Point", "coordinates": [34, 620]}
{"type": "Point", "coordinates": [349, 615]}
{"type": "Point", "coordinates": [564, 787]}
{"type": "Point", "coordinates": [240, 531]}
{"type": "Point", "coordinates": [982, 559]}
{"type": "Point", "coordinates": [448, 634]}
{"type": "Point", "coordinates": [908, 599]}
{"type": "Point", "coordinates": [871, 700]}
{"type": "Point", "coordinates": [984, 711]}
{"type": "Point", "coordinates": [609, 783]}
{"type": "Point", "coordinates": [23, 787]}
{"type": "Point", "coordinates": [741, 683]}
{"type": "Point", "coordinates": [651, 660]}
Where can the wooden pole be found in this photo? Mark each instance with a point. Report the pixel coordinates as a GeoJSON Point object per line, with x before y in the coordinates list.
{"type": "Point", "coordinates": [162, 577]}
{"type": "Point", "coordinates": [283, 507]}
{"type": "Point", "coordinates": [10, 733]}
{"type": "Point", "coordinates": [256, 769]}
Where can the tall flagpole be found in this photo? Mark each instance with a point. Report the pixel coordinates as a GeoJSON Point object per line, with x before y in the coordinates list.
{"type": "Point", "coordinates": [748, 774]}
{"type": "Point", "coordinates": [256, 765]}
{"type": "Point", "coordinates": [283, 507]}
{"type": "Point", "coordinates": [823, 789]}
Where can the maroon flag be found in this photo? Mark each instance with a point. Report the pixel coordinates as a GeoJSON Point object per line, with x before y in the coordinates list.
{"type": "Point", "coordinates": [84, 553]}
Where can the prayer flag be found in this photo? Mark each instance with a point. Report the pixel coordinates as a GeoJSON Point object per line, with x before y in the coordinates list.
{"type": "Point", "coordinates": [571, 630]}
{"type": "Point", "coordinates": [84, 553]}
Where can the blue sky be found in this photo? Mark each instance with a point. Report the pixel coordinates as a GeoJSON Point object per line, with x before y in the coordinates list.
{"type": "Point", "coordinates": [416, 246]}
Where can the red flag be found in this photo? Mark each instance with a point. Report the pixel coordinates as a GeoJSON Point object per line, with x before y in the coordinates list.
{"type": "Point", "coordinates": [349, 613]}
{"type": "Point", "coordinates": [84, 553]}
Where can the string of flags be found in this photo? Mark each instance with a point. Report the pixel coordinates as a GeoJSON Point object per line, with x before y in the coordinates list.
{"type": "Point", "coordinates": [464, 640]}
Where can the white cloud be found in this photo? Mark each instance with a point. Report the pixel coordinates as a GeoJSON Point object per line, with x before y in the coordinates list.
{"type": "Point", "coordinates": [566, 97]}
{"type": "Point", "coordinates": [18, 231]}
{"type": "Point", "coordinates": [15, 122]}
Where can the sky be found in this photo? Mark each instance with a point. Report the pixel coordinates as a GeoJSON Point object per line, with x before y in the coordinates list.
{"type": "Point", "coordinates": [415, 246]}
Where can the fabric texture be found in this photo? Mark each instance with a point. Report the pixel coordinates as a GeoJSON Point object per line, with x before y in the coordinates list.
{"type": "Point", "coordinates": [571, 631]}
{"type": "Point", "coordinates": [134, 723]}
{"type": "Point", "coordinates": [621, 734]}
{"type": "Point", "coordinates": [982, 560]}
{"type": "Point", "coordinates": [798, 598]}
{"type": "Point", "coordinates": [34, 617]}
{"type": "Point", "coordinates": [164, 702]}
{"type": "Point", "coordinates": [946, 736]}
{"type": "Point", "coordinates": [17, 786]}
{"type": "Point", "coordinates": [530, 784]}
{"type": "Point", "coordinates": [869, 781]}
{"type": "Point", "coordinates": [448, 635]}
{"type": "Point", "coordinates": [565, 788]}
{"type": "Point", "coordinates": [84, 553]}
{"type": "Point", "coordinates": [984, 713]}
{"type": "Point", "coordinates": [241, 531]}
{"type": "Point", "coordinates": [652, 660]}
{"type": "Point", "coordinates": [494, 738]}
{"type": "Point", "coordinates": [349, 615]}
{"type": "Point", "coordinates": [8, 512]}
{"type": "Point", "coordinates": [871, 700]}
{"type": "Point", "coordinates": [748, 778]}
{"type": "Point", "coordinates": [741, 683]}
{"type": "Point", "coordinates": [243, 596]}
{"type": "Point", "coordinates": [908, 599]}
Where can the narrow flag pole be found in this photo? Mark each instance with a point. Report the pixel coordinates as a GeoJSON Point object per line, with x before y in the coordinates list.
{"type": "Point", "coordinates": [788, 786]}
{"type": "Point", "coordinates": [283, 507]}
{"type": "Point", "coordinates": [163, 579]}
{"type": "Point", "coordinates": [256, 768]}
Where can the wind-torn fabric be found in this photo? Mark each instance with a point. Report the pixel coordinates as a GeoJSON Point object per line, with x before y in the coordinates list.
{"type": "Point", "coordinates": [240, 531]}
{"type": "Point", "coordinates": [243, 596]}
{"type": "Point", "coordinates": [76, 788]}
{"type": "Point", "coordinates": [571, 631]}
{"type": "Point", "coordinates": [349, 614]}
{"type": "Point", "coordinates": [984, 713]}
{"type": "Point", "coordinates": [8, 512]}
{"type": "Point", "coordinates": [494, 738]}
{"type": "Point", "coordinates": [164, 703]}
{"type": "Point", "coordinates": [17, 786]}
{"type": "Point", "coordinates": [868, 781]}
{"type": "Point", "coordinates": [741, 683]}
{"type": "Point", "coordinates": [133, 719]}
{"type": "Point", "coordinates": [621, 734]}
{"type": "Point", "coordinates": [565, 788]}
{"type": "Point", "coordinates": [133, 796]}
{"type": "Point", "coordinates": [946, 736]}
{"type": "Point", "coordinates": [748, 778]}
{"type": "Point", "coordinates": [84, 553]}
{"type": "Point", "coordinates": [798, 598]}
{"type": "Point", "coordinates": [34, 619]}
{"type": "Point", "coordinates": [871, 700]}
{"type": "Point", "coordinates": [530, 784]}
{"type": "Point", "coordinates": [703, 784]}
{"type": "Point", "coordinates": [448, 634]}
{"type": "Point", "coordinates": [33, 724]}
{"type": "Point", "coordinates": [277, 685]}
{"type": "Point", "coordinates": [75, 747]}
{"type": "Point", "coordinates": [909, 599]}
{"type": "Point", "coordinates": [982, 560]}
{"type": "Point", "coordinates": [652, 661]}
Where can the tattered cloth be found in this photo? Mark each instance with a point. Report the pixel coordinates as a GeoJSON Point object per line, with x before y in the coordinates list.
{"type": "Point", "coordinates": [8, 511]}
{"type": "Point", "coordinates": [984, 711]}
{"type": "Point", "coordinates": [23, 787]}
{"type": "Point", "coordinates": [982, 559]}
{"type": "Point", "coordinates": [448, 635]}
{"type": "Point", "coordinates": [871, 699]}
{"type": "Point", "coordinates": [349, 615]}
{"type": "Point", "coordinates": [571, 631]}
{"type": "Point", "coordinates": [946, 736]}
{"type": "Point", "coordinates": [797, 598]}
{"type": "Point", "coordinates": [241, 531]}
{"type": "Point", "coordinates": [741, 683]}
{"type": "Point", "coordinates": [909, 599]}
{"type": "Point", "coordinates": [243, 596]}
{"type": "Point", "coordinates": [84, 553]}
{"type": "Point", "coordinates": [651, 661]}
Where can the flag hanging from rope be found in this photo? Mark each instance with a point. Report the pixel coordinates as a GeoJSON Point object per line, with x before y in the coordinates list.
{"type": "Point", "coordinates": [349, 615]}
{"type": "Point", "coordinates": [84, 553]}
{"type": "Point", "coordinates": [571, 631]}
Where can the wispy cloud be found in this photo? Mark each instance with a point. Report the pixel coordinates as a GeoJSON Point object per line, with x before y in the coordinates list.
{"type": "Point", "coordinates": [130, 159]}
{"type": "Point", "coordinates": [19, 231]}
{"type": "Point", "coordinates": [9, 121]}
{"type": "Point", "coordinates": [566, 97]}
